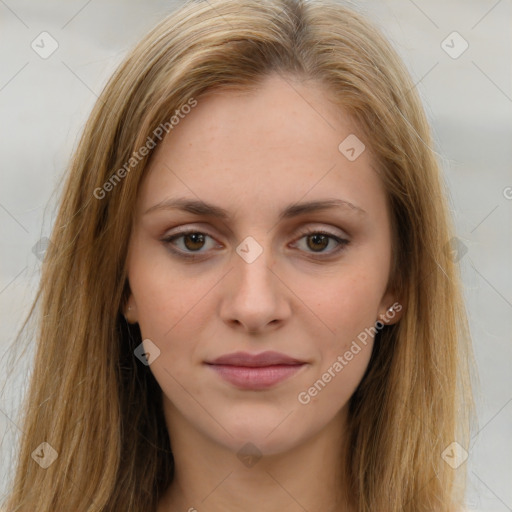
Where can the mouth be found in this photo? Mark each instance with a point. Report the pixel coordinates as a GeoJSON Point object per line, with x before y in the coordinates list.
{"type": "Point", "coordinates": [256, 371]}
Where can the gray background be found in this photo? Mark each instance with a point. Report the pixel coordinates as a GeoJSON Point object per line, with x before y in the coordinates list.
{"type": "Point", "coordinates": [45, 102]}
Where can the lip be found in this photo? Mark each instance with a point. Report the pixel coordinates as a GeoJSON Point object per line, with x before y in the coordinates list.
{"type": "Point", "coordinates": [255, 371]}
{"type": "Point", "coordinates": [268, 358]}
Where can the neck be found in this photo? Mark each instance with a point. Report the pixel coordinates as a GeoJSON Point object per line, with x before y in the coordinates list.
{"type": "Point", "coordinates": [209, 476]}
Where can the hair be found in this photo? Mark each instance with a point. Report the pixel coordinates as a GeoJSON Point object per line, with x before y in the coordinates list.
{"type": "Point", "coordinates": [91, 399]}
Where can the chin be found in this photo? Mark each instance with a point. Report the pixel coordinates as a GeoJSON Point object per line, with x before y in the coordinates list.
{"type": "Point", "coordinates": [259, 443]}
{"type": "Point", "coordinates": [267, 434]}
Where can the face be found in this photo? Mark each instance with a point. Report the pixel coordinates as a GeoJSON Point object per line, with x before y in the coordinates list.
{"type": "Point", "coordinates": [259, 310]}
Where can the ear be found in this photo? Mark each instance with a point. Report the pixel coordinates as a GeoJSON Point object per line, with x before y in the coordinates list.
{"type": "Point", "coordinates": [390, 310]}
{"type": "Point", "coordinates": [130, 310]}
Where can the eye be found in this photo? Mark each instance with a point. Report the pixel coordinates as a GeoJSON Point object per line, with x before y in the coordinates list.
{"type": "Point", "coordinates": [192, 242]}
{"type": "Point", "coordinates": [318, 240]}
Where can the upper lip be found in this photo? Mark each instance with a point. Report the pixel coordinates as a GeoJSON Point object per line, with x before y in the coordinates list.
{"type": "Point", "coordinates": [268, 358]}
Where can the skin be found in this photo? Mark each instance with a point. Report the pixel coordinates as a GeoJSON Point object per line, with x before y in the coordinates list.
{"type": "Point", "coordinates": [253, 154]}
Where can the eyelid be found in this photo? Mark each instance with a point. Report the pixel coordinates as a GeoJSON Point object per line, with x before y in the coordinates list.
{"type": "Point", "coordinates": [183, 231]}
{"type": "Point", "coordinates": [312, 227]}
{"type": "Point", "coordinates": [342, 239]}
{"type": "Point", "coordinates": [320, 228]}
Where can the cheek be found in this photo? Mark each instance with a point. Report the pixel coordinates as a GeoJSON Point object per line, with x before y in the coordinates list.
{"type": "Point", "coordinates": [330, 391]}
{"type": "Point", "coordinates": [345, 303]}
{"type": "Point", "coordinates": [348, 305]}
{"type": "Point", "coordinates": [167, 298]}
{"type": "Point", "coordinates": [173, 313]}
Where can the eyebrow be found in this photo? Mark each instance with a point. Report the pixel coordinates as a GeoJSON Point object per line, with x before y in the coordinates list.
{"type": "Point", "coordinates": [198, 207]}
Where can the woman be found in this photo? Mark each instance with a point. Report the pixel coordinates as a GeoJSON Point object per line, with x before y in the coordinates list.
{"type": "Point", "coordinates": [249, 301]}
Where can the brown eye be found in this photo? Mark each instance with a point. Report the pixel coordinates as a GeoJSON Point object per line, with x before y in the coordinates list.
{"type": "Point", "coordinates": [189, 244]}
{"type": "Point", "coordinates": [193, 241]}
{"type": "Point", "coordinates": [318, 242]}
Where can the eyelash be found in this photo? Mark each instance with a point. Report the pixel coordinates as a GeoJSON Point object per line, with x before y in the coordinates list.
{"type": "Point", "coordinates": [342, 243]}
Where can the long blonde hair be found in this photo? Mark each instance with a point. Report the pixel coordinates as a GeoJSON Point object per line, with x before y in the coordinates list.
{"type": "Point", "coordinates": [101, 410]}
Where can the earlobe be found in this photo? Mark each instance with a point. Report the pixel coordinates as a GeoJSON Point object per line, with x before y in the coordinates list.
{"type": "Point", "coordinates": [130, 311]}
{"type": "Point", "coordinates": [392, 314]}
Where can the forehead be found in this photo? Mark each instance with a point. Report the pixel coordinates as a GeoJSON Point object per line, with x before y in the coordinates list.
{"type": "Point", "coordinates": [261, 149]}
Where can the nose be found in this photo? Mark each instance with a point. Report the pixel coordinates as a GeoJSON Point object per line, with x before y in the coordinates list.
{"type": "Point", "coordinates": [254, 298]}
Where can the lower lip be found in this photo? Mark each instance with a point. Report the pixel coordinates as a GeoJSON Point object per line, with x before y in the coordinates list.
{"type": "Point", "coordinates": [261, 377]}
